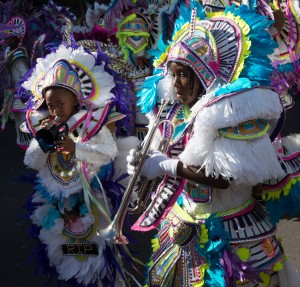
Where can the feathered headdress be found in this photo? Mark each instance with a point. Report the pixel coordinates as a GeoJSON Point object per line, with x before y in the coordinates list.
{"type": "Point", "coordinates": [86, 74]}
{"type": "Point", "coordinates": [148, 19]}
{"type": "Point", "coordinates": [95, 83]}
{"type": "Point", "coordinates": [230, 47]}
{"type": "Point", "coordinates": [16, 26]}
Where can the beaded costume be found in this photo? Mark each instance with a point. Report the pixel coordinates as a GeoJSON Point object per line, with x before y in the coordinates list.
{"type": "Point", "coordinates": [139, 25]}
{"type": "Point", "coordinates": [209, 236]}
{"type": "Point", "coordinates": [76, 194]}
{"type": "Point", "coordinates": [16, 64]}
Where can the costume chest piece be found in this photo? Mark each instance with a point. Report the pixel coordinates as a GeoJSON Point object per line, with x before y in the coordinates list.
{"type": "Point", "coordinates": [198, 192]}
{"type": "Point", "coordinates": [63, 167]}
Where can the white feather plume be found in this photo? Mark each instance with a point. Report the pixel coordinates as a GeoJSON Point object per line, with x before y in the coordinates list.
{"type": "Point", "coordinates": [291, 143]}
{"type": "Point", "coordinates": [246, 161]}
{"type": "Point", "coordinates": [165, 88]}
{"type": "Point", "coordinates": [103, 80]}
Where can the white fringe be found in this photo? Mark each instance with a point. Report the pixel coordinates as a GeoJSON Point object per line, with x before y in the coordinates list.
{"type": "Point", "coordinates": [124, 146]}
{"type": "Point", "coordinates": [231, 111]}
{"type": "Point", "coordinates": [251, 161]}
{"type": "Point", "coordinates": [99, 150]}
{"type": "Point", "coordinates": [103, 79]}
{"type": "Point", "coordinates": [54, 188]}
{"type": "Point", "coordinates": [34, 157]}
{"type": "Point", "coordinates": [165, 89]}
{"type": "Point", "coordinates": [39, 213]}
{"type": "Point", "coordinates": [157, 136]}
{"type": "Point", "coordinates": [69, 267]}
{"type": "Point", "coordinates": [244, 161]}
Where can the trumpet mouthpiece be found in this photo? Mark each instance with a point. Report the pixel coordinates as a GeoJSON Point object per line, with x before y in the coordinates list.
{"type": "Point", "coordinates": [57, 119]}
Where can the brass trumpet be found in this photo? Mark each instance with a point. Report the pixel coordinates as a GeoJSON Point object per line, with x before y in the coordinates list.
{"type": "Point", "coordinates": [46, 137]}
{"type": "Point", "coordinates": [146, 185]}
{"type": "Point", "coordinates": [113, 232]}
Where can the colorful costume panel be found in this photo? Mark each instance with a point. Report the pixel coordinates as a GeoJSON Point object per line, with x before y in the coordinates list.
{"type": "Point", "coordinates": [209, 236]}
{"type": "Point", "coordinates": [76, 193]}
{"type": "Point", "coordinates": [15, 65]}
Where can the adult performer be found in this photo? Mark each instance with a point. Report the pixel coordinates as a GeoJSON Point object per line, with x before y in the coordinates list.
{"type": "Point", "coordinates": [14, 67]}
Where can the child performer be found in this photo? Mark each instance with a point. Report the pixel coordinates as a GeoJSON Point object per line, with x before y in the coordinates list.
{"type": "Point", "coordinates": [74, 151]}
{"type": "Point", "coordinates": [212, 232]}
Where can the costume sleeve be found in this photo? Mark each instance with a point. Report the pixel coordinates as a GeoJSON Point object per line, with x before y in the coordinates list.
{"type": "Point", "coordinates": [35, 158]}
{"type": "Point", "coordinates": [124, 146]}
{"type": "Point", "coordinates": [19, 69]}
{"type": "Point", "coordinates": [246, 159]}
{"type": "Point", "coordinates": [99, 150]}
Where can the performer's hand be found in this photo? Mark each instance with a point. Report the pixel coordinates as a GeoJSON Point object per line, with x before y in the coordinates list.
{"type": "Point", "coordinates": [65, 145]}
{"type": "Point", "coordinates": [46, 124]}
{"type": "Point", "coordinates": [132, 160]}
{"type": "Point", "coordinates": [155, 165]}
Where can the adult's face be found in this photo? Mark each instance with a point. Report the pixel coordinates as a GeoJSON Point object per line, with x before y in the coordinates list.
{"type": "Point", "coordinates": [187, 85]}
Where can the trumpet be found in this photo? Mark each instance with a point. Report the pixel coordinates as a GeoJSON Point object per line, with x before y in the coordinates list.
{"type": "Point", "coordinates": [146, 186]}
{"type": "Point", "coordinates": [113, 232]}
{"type": "Point", "coordinates": [47, 137]}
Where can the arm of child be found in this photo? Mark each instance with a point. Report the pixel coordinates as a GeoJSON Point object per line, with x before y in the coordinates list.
{"type": "Point", "coordinates": [35, 158]}
{"type": "Point", "coordinates": [100, 149]}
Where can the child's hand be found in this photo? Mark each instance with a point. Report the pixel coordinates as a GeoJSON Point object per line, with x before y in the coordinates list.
{"type": "Point", "coordinates": [46, 124]}
{"type": "Point", "coordinates": [65, 145]}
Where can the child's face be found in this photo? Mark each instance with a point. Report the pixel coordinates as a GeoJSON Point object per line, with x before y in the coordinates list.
{"type": "Point", "coordinates": [186, 92]}
{"type": "Point", "coordinates": [61, 102]}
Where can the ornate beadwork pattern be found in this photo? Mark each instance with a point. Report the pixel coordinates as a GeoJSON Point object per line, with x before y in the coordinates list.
{"type": "Point", "coordinates": [63, 167]}
{"type": "Point", "coordinates": [248, 130]}
{"type": "Point", "coordinates": [181, 52]}
{"type": "Point", "coordinates": [180, 232]}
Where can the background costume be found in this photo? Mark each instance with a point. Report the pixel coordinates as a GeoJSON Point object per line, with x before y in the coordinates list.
{"type": "Point", "coordinates": [34, 28]}
{"type": "Point", "coordinates": [209, 236]}
{"type": "Point", "coordinates": [138, 25]}
{"type": "Point", "coordinates": [76, 194]}
{"type": "Point", "coordinates": [15, 65]}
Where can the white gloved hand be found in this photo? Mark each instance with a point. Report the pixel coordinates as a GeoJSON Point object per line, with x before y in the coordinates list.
{"type": "Point", "coordinates": [155, 165]}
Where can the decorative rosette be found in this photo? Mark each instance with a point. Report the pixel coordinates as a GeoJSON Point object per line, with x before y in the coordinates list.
{"type": "Point", "coordinates": [16, 26]}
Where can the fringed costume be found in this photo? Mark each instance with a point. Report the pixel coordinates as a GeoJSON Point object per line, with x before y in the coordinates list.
{"type": "Point", "coordinates": [209, 236]}
{"type": "Point", "coordinates": [15, 65]}
{"type": "Point", "coordinates": [76, 194]}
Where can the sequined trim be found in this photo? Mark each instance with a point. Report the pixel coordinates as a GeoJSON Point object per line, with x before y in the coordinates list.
{"type": "Point", "coordinates": [249, 222]}
{"type": "Point", "coordinates": [63, 168]}
{"type": "Point", "coordinates": [248, 130]}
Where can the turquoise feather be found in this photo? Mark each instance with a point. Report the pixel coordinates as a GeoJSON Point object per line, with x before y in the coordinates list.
{"type": "Point", "coordinates": [284, 205]}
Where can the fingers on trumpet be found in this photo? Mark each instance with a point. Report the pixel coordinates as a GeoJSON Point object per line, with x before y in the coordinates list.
{"type": "Point", "coordinates": [48, 123]}
{"type": "Point", "coordinates": [132, 160]}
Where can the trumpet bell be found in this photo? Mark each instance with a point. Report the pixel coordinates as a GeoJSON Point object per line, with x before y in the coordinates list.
{"type": "Point", "coordinates": [114, 231]}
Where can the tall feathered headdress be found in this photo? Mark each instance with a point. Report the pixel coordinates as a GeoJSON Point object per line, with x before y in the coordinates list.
{"type": "Point", "coordinates": [236, 43]}
{"type": "Point", "coordinates": [87, 74]}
